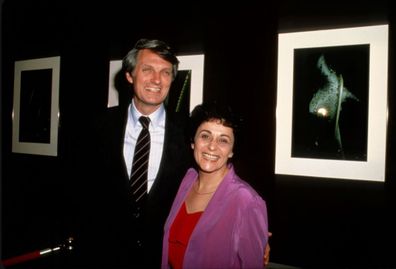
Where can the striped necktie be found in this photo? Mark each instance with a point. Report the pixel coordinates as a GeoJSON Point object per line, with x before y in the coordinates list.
{"type": "Point", "coordinates": [139, 170]}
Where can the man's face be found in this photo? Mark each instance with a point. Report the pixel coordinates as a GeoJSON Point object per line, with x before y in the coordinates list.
{"type": "Point", "coordinates": [151, 80]}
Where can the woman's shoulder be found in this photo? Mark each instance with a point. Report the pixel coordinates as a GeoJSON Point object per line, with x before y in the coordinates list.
{"type": "Point", "coordinates": [190, 175]}
{"type": "Point", "coordinates": [244, 192]}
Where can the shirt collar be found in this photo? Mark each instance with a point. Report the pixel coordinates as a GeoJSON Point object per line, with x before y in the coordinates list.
{"type": "Point", "coordinates": [157, 118]}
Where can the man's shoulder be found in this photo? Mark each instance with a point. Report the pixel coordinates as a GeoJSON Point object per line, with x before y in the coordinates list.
{"type": "Point", "coordinates": [177, 121]}
{"type": "Point", "coordinates": [110, 116]}
{"type": "Point", "coordinates": [178, 117]}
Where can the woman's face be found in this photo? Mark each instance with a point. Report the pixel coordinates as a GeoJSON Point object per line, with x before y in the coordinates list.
{"type": "Point", "coordinates": [213, 146]}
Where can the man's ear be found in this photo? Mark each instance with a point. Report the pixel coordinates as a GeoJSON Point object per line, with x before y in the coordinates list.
{"type": "Point", "coordinates": [129, 77]}
{"type": "Point", "coordinates": [230, 155]}
{"type": "Point", "coordinates": [192, 145]}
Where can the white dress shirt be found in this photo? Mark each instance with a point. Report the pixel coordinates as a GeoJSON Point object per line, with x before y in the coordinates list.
{"type": "Point", "coordinates": [157, 134]}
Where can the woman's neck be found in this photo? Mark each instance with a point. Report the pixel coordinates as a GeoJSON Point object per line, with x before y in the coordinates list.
{"type": "Point", "coordinates": [208, 182]}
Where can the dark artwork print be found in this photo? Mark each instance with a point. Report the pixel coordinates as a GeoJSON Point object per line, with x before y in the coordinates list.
{"type": "Point", "coordinates": [179, 94]}
{"type": "Point", "coordinates": [330, 103]}
{"type": "Point", "coordinates": [35, 106]}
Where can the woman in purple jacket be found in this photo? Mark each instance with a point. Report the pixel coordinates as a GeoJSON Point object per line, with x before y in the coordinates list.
{"type": "Point", "coordinates": [217, 220]}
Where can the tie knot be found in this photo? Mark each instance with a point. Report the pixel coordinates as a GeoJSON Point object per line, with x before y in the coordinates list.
{"type": "Point", "coordinates": [145, 121]}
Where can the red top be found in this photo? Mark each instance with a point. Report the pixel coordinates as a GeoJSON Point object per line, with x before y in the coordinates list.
{"type": "Point", "coordinates": [179, 235]}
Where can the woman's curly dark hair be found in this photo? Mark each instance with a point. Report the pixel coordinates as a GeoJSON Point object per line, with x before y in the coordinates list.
{"type": "Point", "coordinates": [214, 110]}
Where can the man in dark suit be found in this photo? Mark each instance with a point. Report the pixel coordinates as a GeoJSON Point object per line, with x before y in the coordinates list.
{"type": "Point", "coordinates": [113, 232]}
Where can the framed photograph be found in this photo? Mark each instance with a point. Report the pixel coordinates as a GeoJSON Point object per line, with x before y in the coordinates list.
{"type": "Point", "coordinates": [331, 114]}
{"type": "Point", "coordinates": [36, 106]}
{"type": "Point", "coordinates": [186, 91]}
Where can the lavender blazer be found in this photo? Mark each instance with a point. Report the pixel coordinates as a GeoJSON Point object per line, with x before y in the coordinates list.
{"type": "Point", "coordinates": [231, 233]}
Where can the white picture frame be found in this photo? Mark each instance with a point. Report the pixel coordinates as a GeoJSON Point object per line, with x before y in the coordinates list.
{"type": "Point", "coordinates": [294, 50]}
{"type": "Point", "coordinates": [195, 63]}
{"type": "Point", "coordinates": [35, 115]}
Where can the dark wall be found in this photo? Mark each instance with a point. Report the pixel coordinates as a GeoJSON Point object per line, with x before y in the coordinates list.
{"type": "Point", "coordinates": [316, 222]}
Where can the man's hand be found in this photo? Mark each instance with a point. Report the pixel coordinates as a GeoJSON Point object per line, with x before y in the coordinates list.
{"type": "Point", "coordinates": [267, 251]}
